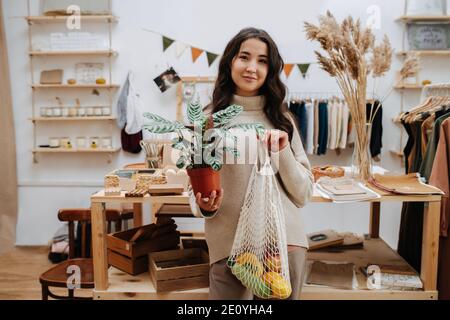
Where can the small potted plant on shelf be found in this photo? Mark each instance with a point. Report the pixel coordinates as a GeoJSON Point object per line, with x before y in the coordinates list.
{"type": "Point", "coordinates": [202, 143]}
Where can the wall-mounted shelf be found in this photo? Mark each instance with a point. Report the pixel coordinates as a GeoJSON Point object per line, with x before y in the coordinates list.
{"type": "Point", "coordinates": [408, 87]}
{"type": "Point", "coordinates": [109, 152]}
{"type": "Point", "coordinates": [83, 18]}
{"type": "Point", "coordinates": [406, 19]}
{"type": "Point", "coordinates": [443, 53]}
{"type": "Point", "coordinates": [72, 56]}
{"type": "Point", "coordinates": [73, 118]}
{"type": "Point", "coordinates": [83, 150]}
{"type": "Point", "coordinates": [74, 52]}
{"type": "Point", "coordinates": [75, 86]}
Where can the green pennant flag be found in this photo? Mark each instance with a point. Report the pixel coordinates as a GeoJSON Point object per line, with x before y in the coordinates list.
{"type": "Point", "coordinates": [303, 68]}
{"type": "Point", "coordinates": [167, 42]}
{"type": "Point", "coordinates": [211, 57]}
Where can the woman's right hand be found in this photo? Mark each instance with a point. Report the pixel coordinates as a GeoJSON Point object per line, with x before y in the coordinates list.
{"type": "Point", "coordinates": [212, 203]}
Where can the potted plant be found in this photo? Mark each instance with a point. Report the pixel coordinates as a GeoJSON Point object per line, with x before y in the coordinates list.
{"type": "Point", "coordinates": [203, 142]}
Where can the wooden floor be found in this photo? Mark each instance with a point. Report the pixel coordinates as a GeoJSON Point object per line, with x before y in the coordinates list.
{"type": "Point", "coordinates": [19, 273]}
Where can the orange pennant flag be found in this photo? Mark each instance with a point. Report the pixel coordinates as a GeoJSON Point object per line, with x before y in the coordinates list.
{"type": "Point", "coordinates": [287, 69]}
{"type": "Point", "coordinates": [196, 53]}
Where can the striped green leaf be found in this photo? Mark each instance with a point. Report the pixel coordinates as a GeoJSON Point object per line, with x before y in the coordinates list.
{"type": "Point", "coordinates": [195, 114]}
{"type": "Point", "coordinates": [223, 117]}
{"type": "Point", "coordinates": [156, 118]}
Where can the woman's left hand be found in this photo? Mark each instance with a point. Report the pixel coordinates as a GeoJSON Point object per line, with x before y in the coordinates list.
{"type": "Point", "coordinates": [276, 140]}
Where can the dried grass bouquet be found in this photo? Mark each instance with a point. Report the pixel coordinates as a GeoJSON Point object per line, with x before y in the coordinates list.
{"type": "Point", "coordinates": [351, 55]}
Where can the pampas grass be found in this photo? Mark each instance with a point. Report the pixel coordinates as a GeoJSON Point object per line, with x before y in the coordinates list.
{"type": "Point", "coordinates": [351, 56]}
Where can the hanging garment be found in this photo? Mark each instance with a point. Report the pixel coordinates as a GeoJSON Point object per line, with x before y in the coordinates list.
{"type": "Point", "coordinates": [411, 223]}
{"type": "Point", "coordinates": [377, 128]}
{"type": "Point", "coordinates": [131, 142]}
{"type": "Point", "coordinates": [302, 122]}
{"type": "Point", "coordinates": [316, 126]}
{"type": "Point", "coordinates": [298, 109]}
{"type": "Point", "coordinates": [427, 165]}
{"type": "Point", "coordinates": [338, 124]}
{"type": "Point", "coordinates": [344, 127]}
{"type": "Point", "coordinates": [323, 128]}
{"type": "Point", "coordinates": [310, 127]}
{"type": "Point", "coordinates": [440, 177]}
{"type": "Point", "coordinates": [332, 124]}
{"type": "Point", "coordinates": [427, 128]}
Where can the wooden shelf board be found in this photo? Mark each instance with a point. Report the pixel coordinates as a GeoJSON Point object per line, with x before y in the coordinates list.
{"type": "Point", "coordinates": [124, 286]}
{"type": "Point", "coordinates": [423, 18]}
{"type": "Point", "coordinates": [61, 18]}
{"type": "Point", "coordinates": [74, 52]}
{"type": "Point", "coordinates": [72, 118]}
{"type": "Point", "coordinates": [426, 52]}
{"type": "Point", "coordinates": [408, 87]}
{"type": "Point", "coordinates": [79, 86]}
{"type": "Point", "coordinates": [75, 150]}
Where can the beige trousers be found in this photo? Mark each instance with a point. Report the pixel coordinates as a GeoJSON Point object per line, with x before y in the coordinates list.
{"type": "Point", "coordinates": [223, 285]}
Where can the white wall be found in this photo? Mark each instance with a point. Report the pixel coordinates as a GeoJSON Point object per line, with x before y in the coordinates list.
{"type": "Point", "coordinates": [67, 180]}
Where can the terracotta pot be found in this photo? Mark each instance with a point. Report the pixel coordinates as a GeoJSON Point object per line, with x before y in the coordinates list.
{"type": "Point", "coordinates": [204, 180]}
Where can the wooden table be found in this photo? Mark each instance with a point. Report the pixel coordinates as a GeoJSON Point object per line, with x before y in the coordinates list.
{"type": "Point", "coordinates": [115, 284]}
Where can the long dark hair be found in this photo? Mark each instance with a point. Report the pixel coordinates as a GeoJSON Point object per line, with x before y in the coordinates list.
{"type": "Point", "coordinates": [273, 89]}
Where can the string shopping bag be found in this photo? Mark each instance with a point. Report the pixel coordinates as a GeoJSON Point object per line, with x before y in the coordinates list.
{"type": "Point", "coordinates": [259, 257]}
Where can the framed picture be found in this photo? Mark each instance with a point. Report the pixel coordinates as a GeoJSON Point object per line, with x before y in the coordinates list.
{"type": "Point", "coordinates": [167, 79]}
{"type": "Point", "coordinates": [428, 36]}
{"type": "Point", "coordinates": [426, 7]}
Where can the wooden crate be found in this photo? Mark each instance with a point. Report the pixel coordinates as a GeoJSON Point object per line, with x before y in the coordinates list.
{"type": "Point", "coordinates": [128, 250]}
{"type": "Point", "coordinates": [177, 270]}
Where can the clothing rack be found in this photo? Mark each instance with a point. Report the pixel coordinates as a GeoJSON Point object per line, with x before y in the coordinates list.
{"type": "Point", "coordinates": [299, 95]}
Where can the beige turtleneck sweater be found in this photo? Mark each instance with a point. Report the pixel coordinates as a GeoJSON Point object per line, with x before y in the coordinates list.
{"type": "Point", "coordinates": [295, 183]}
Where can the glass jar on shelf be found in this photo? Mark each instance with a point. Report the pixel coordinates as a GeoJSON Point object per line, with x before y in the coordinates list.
{"type": "Point", "coordinates": [81, 142]}
{"type": "Point", "coordinates": [54, 142]}
{"type": "Point", "coordinates": [94, 142]}
{"type": "Point", "coordinates": [106, 142]}
{"type": "Point", "coordinates": [57, 112]}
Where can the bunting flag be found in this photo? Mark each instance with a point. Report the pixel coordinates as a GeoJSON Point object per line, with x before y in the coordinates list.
{"type": "Point", "coordinates": [211, 57]}
{"type": "Point", "coordinates": [180, 49]}
{"type": "Point", "coordinates": [303, 67]}
{"type": "Point", "coordinates": [166, 42]}
{"type": "Point", "coordinates": [196, 53]}
{"type": "Point", "coordinates": [288, 69]}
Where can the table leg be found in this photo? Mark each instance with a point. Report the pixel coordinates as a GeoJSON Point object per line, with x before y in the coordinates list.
{"type": "Point", "coordinates": [99, 254]}
{"type": "Point", "coordinates": [430, 244]}
{"type": "Point", "coordinates": [374, 220]}
{"type": "Point", "coordinates": [155, 208]}
{"type": "Point", "coordinates": [137, 208]}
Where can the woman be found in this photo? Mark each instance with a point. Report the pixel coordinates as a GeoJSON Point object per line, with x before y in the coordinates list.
{"type": "Point", "coordinates": [249, 76]}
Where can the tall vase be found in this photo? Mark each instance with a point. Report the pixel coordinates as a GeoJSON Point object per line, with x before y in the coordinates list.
{"type": "Point", "coordinates": [361, 168]}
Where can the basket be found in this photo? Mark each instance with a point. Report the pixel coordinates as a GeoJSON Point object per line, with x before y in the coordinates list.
{"type": "Point", "coordinates": [327, 171]}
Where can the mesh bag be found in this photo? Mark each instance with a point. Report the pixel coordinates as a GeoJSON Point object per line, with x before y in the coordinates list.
{"type": "Point", "coordinates": [259, 257]}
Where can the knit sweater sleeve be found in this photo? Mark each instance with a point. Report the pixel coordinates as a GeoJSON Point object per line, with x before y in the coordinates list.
{"type": "Point", "coordinates": [294, 169]}
{"type": "Point", "coordinates": [196, 210]}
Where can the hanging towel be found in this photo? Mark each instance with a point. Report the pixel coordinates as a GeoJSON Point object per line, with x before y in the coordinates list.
{"type": "Point", "coordinates": [135, 113]}
{"type": "Point", "coordinates": [122, 104]}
